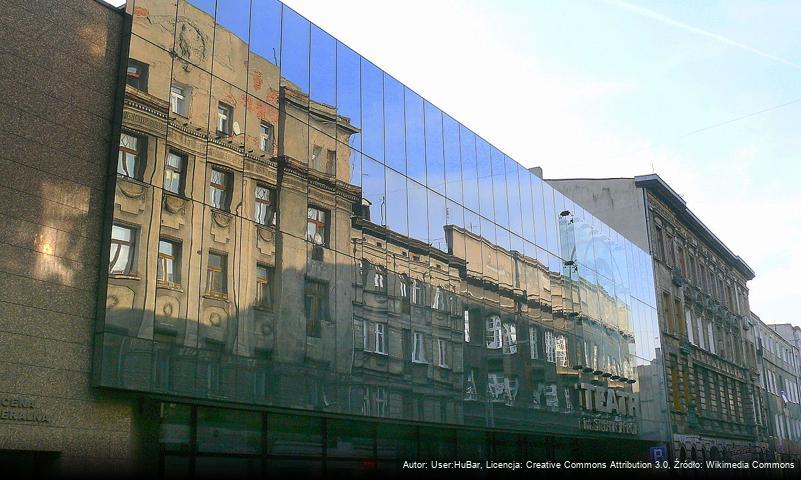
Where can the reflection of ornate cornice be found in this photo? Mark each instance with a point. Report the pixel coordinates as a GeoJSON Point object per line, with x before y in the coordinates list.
{"type": "Point", "coordinates": [409, 243]}
{"type": "Point", "coordinates": [146, 101]}
{"type": "Point", "coordinates": [131, 188]}
{"type": "Point", "coordinates": [322, 111]}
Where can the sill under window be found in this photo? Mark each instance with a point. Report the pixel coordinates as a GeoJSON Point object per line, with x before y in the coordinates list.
{"type": "Point", "coordinates": [216, 296]}
{"type": "Point", "coordinates": [263, 308]}
{"type": "Point", "coordinates": [125, 276]}
{"type": "Point", "coordinates": [175, 287]}
{"type": "Point", "coordinates": [420, 362]}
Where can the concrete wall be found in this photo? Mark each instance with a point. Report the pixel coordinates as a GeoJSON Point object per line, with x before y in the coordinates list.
{"type": "Point", "coordinates": [616, 201]}
{"type": "Point", "coordinates": [57, 84]}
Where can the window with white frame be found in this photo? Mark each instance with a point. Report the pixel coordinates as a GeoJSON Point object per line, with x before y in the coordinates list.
{"type": "Point", "coordinates": [418, 292]}
{"type": "Point", "coordinates": [442, 353]}
{"type": "Point", "coordinates": [379, 279]}
{"type": "Point", "coordinates": [365, 335]}
{"type": "Point", "coordinates": [264, 205]}
{"type": "Point", "coordinates": [122, 250]}
{"type": "Point", "coordinates": [219, 189]}
{"type": "Point", "coordinates": [550, 347]}
{"type": "Point", "coordinates": [688, 318]}
{"type": "Point", "coordinates": [561, 351]}
{"type": "Point", "coordinates": [131, 157]}
{"type": "Point", "coordinates": [225, 118]}
{"type": "Point", "coordinates": [179, 99]}
{"type": "Point", "coordinates": [439, 299]}
{"type": "Point", "coordinates": [509, 339]}
{"type": "Point", "coordinates": [532, 341]}
{"type": "Point", "coordinates": [380, 401]}
{"type": "Point", "coordinates": [467, 326]}
{"type": "Point", "coordinates": [494, 332]}
{"type": "Point", "coordinates": [470, 389]}
{"type": "Point", "coordinates": [418, 348]}
{"type": "Point", "coordinates": [266, 137]}
{"type": "Point", "coordinates": [174, 169]}
{"type": "Point", "coordinates": [380, 338]}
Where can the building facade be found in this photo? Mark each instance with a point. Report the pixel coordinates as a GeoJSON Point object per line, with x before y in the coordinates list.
{"type": "Point", "coordinates": [711, 369]}
{"type": "Point", "coordinates": [778, 389]}
{"type": "Point", "coordinates": [277, 257]}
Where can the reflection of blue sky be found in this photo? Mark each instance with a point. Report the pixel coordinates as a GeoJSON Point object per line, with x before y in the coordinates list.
{"type": "Point", "coordinates": [607, 88]}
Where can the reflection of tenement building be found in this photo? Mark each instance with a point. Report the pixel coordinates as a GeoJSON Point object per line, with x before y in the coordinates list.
{"type": "Point", "coordinates": [312, 268]}
{"type": "Point", "coordinates": [704, 314]}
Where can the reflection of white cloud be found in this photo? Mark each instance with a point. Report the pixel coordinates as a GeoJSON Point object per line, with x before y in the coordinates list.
{"type": "Point", "coordinates": [645, 12]}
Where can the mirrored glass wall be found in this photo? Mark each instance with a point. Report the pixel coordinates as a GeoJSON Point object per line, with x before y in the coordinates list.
{"type": "Point", "coordinates": [294, 227]}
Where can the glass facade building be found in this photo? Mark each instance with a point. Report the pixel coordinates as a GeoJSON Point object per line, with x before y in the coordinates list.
{"type": "Point", "coordinates": [298, 234]}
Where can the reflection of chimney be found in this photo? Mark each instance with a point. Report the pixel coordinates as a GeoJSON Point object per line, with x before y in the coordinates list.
{"type": "Point", "coordinates": [364, 209]}
{"type": "Point", "coordinates": [536, 171]}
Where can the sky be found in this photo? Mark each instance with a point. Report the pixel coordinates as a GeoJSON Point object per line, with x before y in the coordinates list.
{"type": "Point", "coordinates": [707, 94]}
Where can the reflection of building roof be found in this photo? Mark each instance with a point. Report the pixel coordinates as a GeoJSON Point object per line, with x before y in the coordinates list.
{"type": "Point", "coordinates": [657, 185]}
{"type": "Point", "coordinates": [412, 244]}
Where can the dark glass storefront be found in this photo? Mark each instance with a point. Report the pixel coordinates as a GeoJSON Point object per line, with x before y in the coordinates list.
{"type": "Point", "coordinates": [211, 441]}
{"type": "Point", "coordinates": [294, 228]}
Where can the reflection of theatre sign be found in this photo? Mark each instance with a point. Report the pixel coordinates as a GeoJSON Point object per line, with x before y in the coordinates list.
{"type": "Point", "coordinates": [616, 411]}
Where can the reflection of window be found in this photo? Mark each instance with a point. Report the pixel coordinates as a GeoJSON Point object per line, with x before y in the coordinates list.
{"type": "Point", "coordinates": [660, 244]}
{"type": "Point", "coordinates": [321, 164]}
{"type": "Point", "coordinates": [502, 388]}
{"type": "Point", "coordinates": [168, 269]}
{"type": "Point", "coordinates": [561, 350]}
{"type": "Point", "coordinates": [439, 299]}
{"type": "Point", "coordinates": [122, 249]}
{"type": "Point", "coordinates": [265, 199]}
{"type": "Point", "coordinates": [316, 304]}
{"type": "Point", "coordinates": [467, 326]}
{"type": "Point", "coordinates": [404, 293]}
{"type": "Point", "coordinates": [266, 137]}
{"type": "Point", "coordinates": [509, 339]}
{"type": "Point", "coordinates": [442, 354]}
{"type": "Point", "coordinates": [225, 114]}
{"type": "Point", "coordinates": [418, 297]}
{"type": "Point", "coordinates": [493, 333]}
{"type": "Point", "coordinates": [216, 274]}
{"type": "Point", "coordinates": [533, 342]}
{"type": "Point", "coordinates": [219, 189]}
{"type": "Point", "coordinates": [178, 99]}
{"type": "Point", "coordinates": [380, 397]}
{"type": "Point", "coordinates": [317, 226]}
{"type": "Point", "coordinates": [136, 75]}
{"type": "Point", "coordinates": [470, 389]}
{"type": "Point", "coordinates": [550, 347]}
{"type": "Point", "coordinates": [174, 173]}
{"type": "Point", "coordinates": [380, 338]}
{"type": "Point", "coordinates": [418, 348]}
{"type": "Point", "coordinates": [264, 280]}
{"type": "Point", "coordinates": [130, 161]}
{"type": "Point", "coordinates": [378, 278]}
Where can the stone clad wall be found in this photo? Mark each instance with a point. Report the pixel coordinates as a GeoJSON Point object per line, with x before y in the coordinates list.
{"type": "Point", "coordinates": [58, 82]}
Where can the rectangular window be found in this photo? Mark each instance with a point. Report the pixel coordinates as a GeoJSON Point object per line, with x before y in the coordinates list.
{"type": "Point", "coordinates": [168, 271]}
{"type": "Point", "coordinates": [671, 257]}
{"type": "Point", "coordinates": [678, 321]}
{"type": "Point", "coordinates": [494, 332]}
{"type": "Point", "coordinates": [666, 313]}
{"type": "Point", "coordinates": [265, 201]}
{"type": "Point", "coordinates": [688, 318]}
{"type": "Point", "coordinates": [365, 335]}
{"type": "Point", "coordinates": [442, 354]}
{"type": "Point", "coordinates": [122, 250]}
{"type": "Point", "coordinates": [561, 351]}
{"type": "Point", "coordinates": [131, 157]}
{"type": "Point", "coordinates": [225, 116]}
{"type": "Point", "coordinates": [179, 98]}
{"type": "Point", "coordinates": [533, 340]}
{"type": "Point", "coordinates": [174, 173]}
{"type": "Point", "coordinates": [439, 299]}
{"type": "Point", "coordinates": [219, 189]}
{"type": "Point", "coordinates": [264, 282]}
{"type": "Point", "coordinates": [467, 326]}
{"type": "Point", "coordinates": [509, 339]}
{"type": "Point", "coordinates": [660, 244]}
{"type": "Point", "coordinates": [266, 137]}
{"type": "Point", "coordinates": [317, 226]}
{"type": "Point", "coordinates": [316, 305]}
{"type": "Point", "coordinates": [380, 338]}
{"type": "Point", "coordinates": [216, 272]}
{"type": "Point", "coordinates": [682, 265]}
{"type": "Point", "coordinates": [316, 158]}
{"type": "Point", "coordinates": [418, 348]}
{"type": "Point", "coordinates": [710, 337]}
{"type": "Point", "coordinates": [136, 74]}
{"type": "Point", "coordinates": [418, 292]}
{"type": "Point", "coordinates": [550, 348]}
